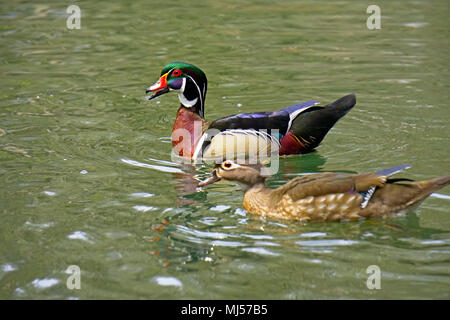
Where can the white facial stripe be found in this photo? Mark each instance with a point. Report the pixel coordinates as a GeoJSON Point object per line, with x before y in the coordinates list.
{"type": "Point", "coordinates": [199, 94]}
{"type": "Point", "coordinates": [183, 85]}
{"type": "Point", "coordinates": [183, 99]}
{"type": "Point", "coordinates": [186, 102]}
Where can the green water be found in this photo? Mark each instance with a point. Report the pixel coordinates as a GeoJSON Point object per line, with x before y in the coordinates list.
{"type": "Point", "coordinates": [87, 178]}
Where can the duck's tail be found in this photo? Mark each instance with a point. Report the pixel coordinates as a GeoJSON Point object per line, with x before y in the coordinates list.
{"type": "Point", "coordinates": [429, 186]}
{"type": "Point", "coordinates": [311, 126]}
{"type": "Point", "coordinates": [396, 196]}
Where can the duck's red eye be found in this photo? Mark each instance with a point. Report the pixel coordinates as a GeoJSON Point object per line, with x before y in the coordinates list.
{"type": "Point", "coordinates": [176, 73]}
{"type": "Point", "coordinates": [227, 165]}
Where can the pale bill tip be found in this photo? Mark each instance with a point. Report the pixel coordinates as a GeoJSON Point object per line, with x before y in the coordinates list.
{"type": "Point", "coordinates": [155, 86]}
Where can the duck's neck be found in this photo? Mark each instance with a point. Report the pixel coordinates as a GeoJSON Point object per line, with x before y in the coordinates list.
{"type": "Point", "coordinates": [192, 95]}
{"type": "Point", "coordinates": [257, 199]}
{"type": "Point", "coordinates": [187, 130]}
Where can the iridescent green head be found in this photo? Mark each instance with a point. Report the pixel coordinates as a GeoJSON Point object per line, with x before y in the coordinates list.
{"type": "Point", "coordinates": [187, 80]}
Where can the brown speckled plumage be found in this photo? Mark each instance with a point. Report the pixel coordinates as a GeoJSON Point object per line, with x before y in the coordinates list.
{"type": "Point", "coordinates": [326, 196]}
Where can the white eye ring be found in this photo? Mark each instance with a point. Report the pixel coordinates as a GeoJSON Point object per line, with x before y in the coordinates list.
{"type": "Point", "coordinates": [228, 165]}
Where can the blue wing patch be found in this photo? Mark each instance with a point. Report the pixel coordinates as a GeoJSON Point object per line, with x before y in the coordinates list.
{"type": "Point", "coordinates": [367, 195]}
{"type": "Point", "coordinates": [390, 171]}
{"type": "Point", "coordinates": [300, 107]}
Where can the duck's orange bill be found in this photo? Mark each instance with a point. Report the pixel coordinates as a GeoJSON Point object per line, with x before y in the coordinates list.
{"type": "Point", "coordinates": [159, 88]}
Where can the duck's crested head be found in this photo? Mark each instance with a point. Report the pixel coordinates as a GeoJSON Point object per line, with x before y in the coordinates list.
{"type": "Point", "coordinates": [187, 80]}
{"type": "Point", "coordinates": [230, 170]}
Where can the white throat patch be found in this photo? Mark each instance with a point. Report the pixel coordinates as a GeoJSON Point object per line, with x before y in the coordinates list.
{"type": "Point", "coordinates": [185, 102]}
{"type": "Point", "coordinates": [183, 99]}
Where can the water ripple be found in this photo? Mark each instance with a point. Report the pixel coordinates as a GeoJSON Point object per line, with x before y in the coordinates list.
{"type": "Point", "coordinates": [144, 208]}
{"type": "Point", "coordinates": [167, 281]}
{"type": "Point", "coordinates": [440, 196]}
{"type": "Point", "coordinates": [152, 166]}
{"type": "Point", "coordinates": [260, 250]}
{"type": "Point", "coordinates": [203, 234]}
{"type": "Point", "coordinates": [327, 243]}
{"type": "Point", "coordinates": [142, 195]}
{"type": "Point", "coordinates": [313, 234]}
{"type": "Point", "coordinates": [221, 243]}
{"type": "Point", "coordinates": [220, 208]}
{"type": "Point", "coordinates": [79, 235]}
{"type": "Point", "coordinates": [44, 283]}
{"type": "Point", "coordinates": [266, 243]}
{"type": "Point", "coordinates": [8, 267]}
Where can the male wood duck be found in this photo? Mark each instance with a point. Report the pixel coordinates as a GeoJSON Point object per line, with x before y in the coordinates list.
{"type": "Point", "coordinates": [296, 129]}
{"type": "Point", "coordinates": [328, 196]}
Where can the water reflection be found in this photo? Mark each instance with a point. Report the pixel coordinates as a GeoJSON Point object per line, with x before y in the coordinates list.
{"type": "Point", "coordinates": [187, 175]}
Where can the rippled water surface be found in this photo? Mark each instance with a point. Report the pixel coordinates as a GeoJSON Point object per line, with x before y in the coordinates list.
{"type": "Point", "coordinates": [87, 178]}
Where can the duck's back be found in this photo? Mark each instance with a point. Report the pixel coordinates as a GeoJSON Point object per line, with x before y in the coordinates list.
{"type": "Point", "coordinates": [322, 197]}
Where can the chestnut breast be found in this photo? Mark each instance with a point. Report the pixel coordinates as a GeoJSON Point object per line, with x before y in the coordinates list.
{"type": "Point", "coordinates": [187, 131]}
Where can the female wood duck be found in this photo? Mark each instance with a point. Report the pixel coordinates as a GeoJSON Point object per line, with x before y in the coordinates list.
{"type": "Point", "coordinates": [296, 129]}
{"type": "Point", "coordinates": [328, 196]}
